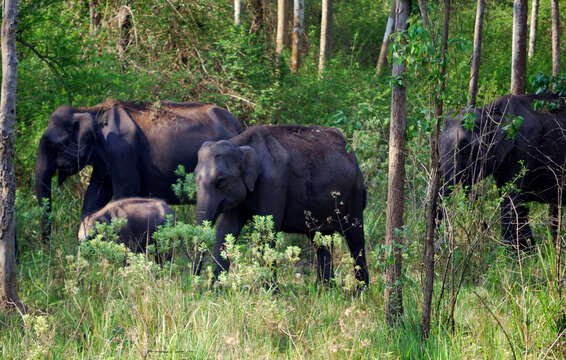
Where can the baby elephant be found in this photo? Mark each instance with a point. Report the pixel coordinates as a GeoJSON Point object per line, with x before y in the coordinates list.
{"type": "Point", "coordinates": [304, 176]}
{"type": "Point", "coordinates": [142, 215]}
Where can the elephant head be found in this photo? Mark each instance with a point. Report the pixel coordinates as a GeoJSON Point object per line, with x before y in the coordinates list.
{"type": "Point", "coordinates": [224, 175]}
{"type": "Point", "coordinates": [65, 147]}
{"type": "Point", "coordinates": [472, 146]}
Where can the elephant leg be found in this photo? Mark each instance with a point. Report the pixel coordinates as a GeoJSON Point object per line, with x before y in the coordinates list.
{"type": "Point", "coordinates": [515, 228]}
{"type": "Point", "coordinates": [553, 220]}
{"type": "Point", "coordinates": [356, 243]}
{"type": "Point", "coordinates": [98, 194]}
{"type": "Point", "coordinates": [325, 265]}
{"type": "Point", "coordinates": [229, 223]}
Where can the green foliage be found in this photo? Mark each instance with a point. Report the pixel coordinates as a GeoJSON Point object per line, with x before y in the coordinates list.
{"type": "Point", "coordinates": [512, 125]}
{"type": "Point", "coordinates": [542, 83]}
{"type": "Point", "coordinates": [185, 186]}
{"type": "Point", "coordinates": [193, 240]}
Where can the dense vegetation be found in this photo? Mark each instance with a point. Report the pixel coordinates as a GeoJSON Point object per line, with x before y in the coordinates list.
{"type": "Point", "coordinates": [84, 303]}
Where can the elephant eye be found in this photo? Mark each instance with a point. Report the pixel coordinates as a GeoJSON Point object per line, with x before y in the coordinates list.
{"type": "Point", "coordinates": [221, 182]}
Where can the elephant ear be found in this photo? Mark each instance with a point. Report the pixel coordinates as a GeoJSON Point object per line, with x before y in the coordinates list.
{"type": "Point", "coordinates": [85, 128]}
{"type": "Point", "coordinates": [249, 167]}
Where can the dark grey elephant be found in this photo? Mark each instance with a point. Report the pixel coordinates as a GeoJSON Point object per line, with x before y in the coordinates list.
{"type": "Point", "coordinates": [134, 148]}
{"type": "Point", "coordinates": [537, 147]}
{"type": "Point", "coordinates": [142, 215]}
{"type": "Point", "coordinates": [292, 173]}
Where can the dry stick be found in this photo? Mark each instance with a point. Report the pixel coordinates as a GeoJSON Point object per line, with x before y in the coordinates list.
{"type": "Point", "coordinates": [498, 322]}
{"type": "Point", "coordinates": [553, 343]}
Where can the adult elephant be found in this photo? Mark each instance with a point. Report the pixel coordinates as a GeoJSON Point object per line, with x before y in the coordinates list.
{"type": "Point", "coordinates": [303, 176]}
{"type": "Point", "coordinates": [133, 148]}
{"type": "Point", "coordinates": [519, 139]}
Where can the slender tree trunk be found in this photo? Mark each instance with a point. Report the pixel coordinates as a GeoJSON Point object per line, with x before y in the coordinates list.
{"type": "Point", "coordinates": [8, 287]}
{"type": "Point", "coordinates": [476, 57]}
{"type": "Point", "coordinates": [94, 16]}
{"type": "Point", "coordinates": [257, 13]}
{"type": "Point", "coordinates": [237, 10]}
{"type": "Point", "coordinates": [396, 177]}
{"type": "Point", "coordinates": [555, 38]}
{"type": "Point", "coordinates": [297, 34]}
{"type": "Point", "coordinates": [325, 34]}
{"type": "Point", "coordinates": [519, 52]}
{"type": "Point", "coordinates": [432, 206]}
{"type": "Point", "coordinates": [124, 24]}
{"type": "Point", "coordinates": [424, 15]}
{"type": "Point", "coordinates": [533, 28]}
{"type": "Point", "coordinates": [281, 12]}
{"type": "Point", "coordinates": [386, 38]}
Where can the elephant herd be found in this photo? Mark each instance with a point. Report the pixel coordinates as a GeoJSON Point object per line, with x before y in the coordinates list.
{"type": "Point", "coordinates": [302, 175]}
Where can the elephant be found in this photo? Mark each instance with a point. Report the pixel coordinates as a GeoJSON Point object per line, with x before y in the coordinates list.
{"type": "Point", "coordinates": [303, 176]}
{"type": "Point", "coordinates": [143, 215]}
{"type": "Point", "coordinates": [517, 139]}
{"type": "Point", "coordinates": [133, 148]}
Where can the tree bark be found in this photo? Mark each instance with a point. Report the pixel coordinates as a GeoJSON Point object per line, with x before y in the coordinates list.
{"type": "Point", "coordinates": [325, 35]}
{"type": "Point", "coordinates": [8, 287]}
{"type": "Point", "coordinates": [555, 38]}
{"type": "Point", "coordinates": [94, 16]}
{"type": "Point", "coordinates": [396, 177]}
{"type": "Point", "coordinates": [257, 16]}
{"type": "Point", "coordinates": [519, 52]}
{"type": "Point", "coordinates": [533, 28]}
{"type": "Point", "coordinates": [386, 39]}
{"type": "Point", "coordinates": [424, 15]}
{"type": "Point", "coordinates": [297, 34]}
{"type": "Point", "coordinates": [281, 12]}
{"type": "Point", "coordinates": [432, 206]}
{"type": "Point", "coordinates": [237, 10]}
{"type": "Point", "coordinates": [476, 57]}
{"type": "Point", "coordinates": [124, 24]}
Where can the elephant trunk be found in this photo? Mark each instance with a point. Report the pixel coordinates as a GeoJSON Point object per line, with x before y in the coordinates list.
{"type": "Point", "coordinates": [206, 210]}
{"type": "Point", "coordinates": [44, 171]}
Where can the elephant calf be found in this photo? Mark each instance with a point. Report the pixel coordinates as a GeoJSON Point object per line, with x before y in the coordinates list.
{"type": "Point", "coordinates": [303, 176]}
{"type": "Point", "coordinates": [143, 216]}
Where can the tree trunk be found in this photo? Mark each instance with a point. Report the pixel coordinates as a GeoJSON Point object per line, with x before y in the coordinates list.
{"type": "Point", "coordinates": [424, 15]}
{"type": "Point", "coordinates": [94, 16]}
{"type": "Point", "coordinates": [257, 15]}
{"type": "Point", "coordinates": [8, 287]}
{"type": "Point", "coordinates": [555, 38]}
{"type": "Point", "coordinates": [476, 57]}
{"type": "Point", "coordinates": [237, 10]}
{"type": "Point", "coordinates": [281, 12]}
{"type": "Point", "coordinates": [396, 177]}
{"type": "Point", "coordinates": [533, 31]}
{"type": "Point", "coordinates": [325, 34]}
{"type": "Point", "coordinates": [519, 52]}
{"type": "Point", "coordinates": [297, 34]}
{"type": "Point", "coordinates": [386, 38]}
{"type": "Point", "coordinates": [431, 211]}
{"type": "Point", "coordinates": [124, 24]}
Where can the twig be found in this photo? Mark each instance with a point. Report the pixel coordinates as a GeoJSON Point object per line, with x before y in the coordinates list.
{"type": "Point", "coordinates": [498, 322]}
{"type": "Point", "coordinates": [46, 60]}
{"type": "Point", "coordinates": [554, 343]}
{"type": "Point", "coordinates": [242, 99]}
